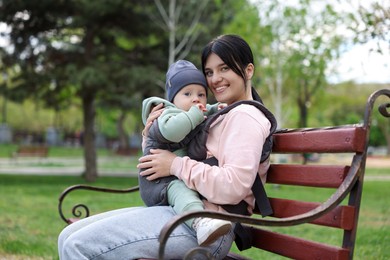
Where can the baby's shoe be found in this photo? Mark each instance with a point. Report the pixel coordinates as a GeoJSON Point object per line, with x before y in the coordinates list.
{"type": "Point", "coordinates": [208, 230]}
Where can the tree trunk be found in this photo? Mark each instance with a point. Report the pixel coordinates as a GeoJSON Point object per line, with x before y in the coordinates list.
{"type": "Point", "coordinates": [386, 133]}
{"type": "Point", "coordinates": [123, 139]}
{"type": "Point", "coordinates": [90, 173]}
{"type": "Point", "coordinates": [303, 113]}
{"type": "Point", "coordinates": [172, 32]}
{"type": "Point", "coordinates": [388, 148]}
{"type": "Point", "coordinates": [303, 101]}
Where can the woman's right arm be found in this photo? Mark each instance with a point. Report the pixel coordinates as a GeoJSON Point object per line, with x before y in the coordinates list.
{"type": "Point", "coordinates": [154, 114]}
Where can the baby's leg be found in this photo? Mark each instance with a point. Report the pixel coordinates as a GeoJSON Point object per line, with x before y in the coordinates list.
{"type": "Point", "coordinates": [183, 199]}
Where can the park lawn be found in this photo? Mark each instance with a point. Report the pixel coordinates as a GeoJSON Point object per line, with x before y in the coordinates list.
{"type": "Point", "coordinates": [30, 223]}
{"type": "Point", "coordinates": [29, 219]}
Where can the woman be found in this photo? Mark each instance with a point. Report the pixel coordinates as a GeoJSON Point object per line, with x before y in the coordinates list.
{"type": "Point", "coordinates": [235, 139]}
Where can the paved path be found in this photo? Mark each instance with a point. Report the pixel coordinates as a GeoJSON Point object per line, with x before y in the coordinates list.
{"type": "Point", "coordinates": [67, 166]}
{"type": "Point", "coordinates": [75, 167]}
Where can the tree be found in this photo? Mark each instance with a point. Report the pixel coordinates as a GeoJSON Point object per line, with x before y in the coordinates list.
{"type": "Point", "coordinates": [264, 35]}
{"type": "Point", "coordinates": [185, 28]}
{"type": "Point", "coordinates": [293, 45]}
{"type": "Point", "coordinates": [189, 25]}
{"type": "Point", "coordinates": [370, 21]}
{"type": "Point", "coordinates": [180, 19]}
{"type": "Point", "coordinates": [77, 44]}
{"type": "Point", "coordinates": [131, 90]}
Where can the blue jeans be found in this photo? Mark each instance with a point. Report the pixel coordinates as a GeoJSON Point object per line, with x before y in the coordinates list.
{"type": "Point", "coordinates": [131, 233]}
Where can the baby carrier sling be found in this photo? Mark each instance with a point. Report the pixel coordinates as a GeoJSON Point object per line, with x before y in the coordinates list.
{"type": "Point", "coordinates": [196, 143]}
{"type": "Point", "coordinates": [197, 148]}
{"type": "Point", "coordinates": [154, 192]}
{"type": "Point", "coordinates": [197, 151]}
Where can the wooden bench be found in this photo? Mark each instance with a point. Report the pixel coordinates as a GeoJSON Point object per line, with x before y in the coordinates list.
{"type": "Point", "coordinates": [339, 210]}
{"type": "Point", "coordinates": [31, 151]}
{"type": "Point", "coordinates": [131, 151]}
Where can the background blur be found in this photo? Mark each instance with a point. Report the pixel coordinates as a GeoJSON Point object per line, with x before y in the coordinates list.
{"type": "Point", "coordinates": [74, 73]}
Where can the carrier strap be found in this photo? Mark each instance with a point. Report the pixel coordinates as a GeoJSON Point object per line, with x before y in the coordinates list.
{"type": "Point", "coordinates": [261, 198]}
{"type": "Point", "coordinates": [197, 143]}
{"type": "Point", "coordinates": [243, 239]}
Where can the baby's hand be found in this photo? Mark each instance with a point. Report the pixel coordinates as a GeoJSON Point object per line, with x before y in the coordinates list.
{"type": "Point", "coordinates": [201, 107]}
{"type": "Point", "coordinates": [221, 106]}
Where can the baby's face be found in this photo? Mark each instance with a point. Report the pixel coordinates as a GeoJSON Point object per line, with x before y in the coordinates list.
{"type": "Point", "coordinates": [190, 95]}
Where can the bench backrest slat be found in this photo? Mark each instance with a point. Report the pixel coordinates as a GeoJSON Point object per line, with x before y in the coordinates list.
{"type": "Point", "coordinates": [337, 140]}
{"type": "Point", "coordinates": [350, 140]}
{"type": "Point", "coordinates": [296, 248]}
{"type": "Point", "coordinates": [327, 176]}
{"type": "Point", "coordinates": [31, 151]}
{"type": "Point", "coordinates": [340, 217]}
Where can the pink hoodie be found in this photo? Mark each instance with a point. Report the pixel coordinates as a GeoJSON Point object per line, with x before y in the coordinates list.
{"type": "Point", "coordinates": [236, 139]}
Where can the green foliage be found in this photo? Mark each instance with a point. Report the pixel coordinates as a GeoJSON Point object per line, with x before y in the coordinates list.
{"type": "Point", "coordinates": [292, 45]}
{"type": "Point", "coordinates": [345, 104]}
{"type": "Point", "coordinates": [67, 52]}
{"type": "Point", "coordinates": [74, 55]}
{"type": "Point", "coordinates": [370, 22]}
{"type": "Point", "coordinates": [33, 117]}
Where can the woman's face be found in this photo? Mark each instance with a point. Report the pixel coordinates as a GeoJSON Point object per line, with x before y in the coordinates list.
{"type": "Point", "coordinates": [227, 86]}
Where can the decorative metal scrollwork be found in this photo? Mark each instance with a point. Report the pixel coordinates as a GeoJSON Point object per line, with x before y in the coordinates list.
{"type": "Point", "coordinates": [383, 109]}
{"type": "Point", "coordinates": [79, 209]}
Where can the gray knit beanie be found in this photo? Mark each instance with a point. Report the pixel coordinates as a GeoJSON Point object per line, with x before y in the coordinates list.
{"type": "Point", "coordinates": [180, 74]}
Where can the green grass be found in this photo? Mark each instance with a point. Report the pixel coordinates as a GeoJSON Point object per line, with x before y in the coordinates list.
{"type": "Point", "coordinates": [30, 223]}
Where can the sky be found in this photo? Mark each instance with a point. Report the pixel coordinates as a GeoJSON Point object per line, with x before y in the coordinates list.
{"type": "Point", "coordinates": [357, 63]}
{"type": "Point", "coordinates": [362, 65]}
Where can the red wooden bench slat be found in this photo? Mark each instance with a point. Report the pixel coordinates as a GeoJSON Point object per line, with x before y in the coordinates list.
{"type": "Point", "coordinates": [296, 248]}
{"type": "Point", "coordinates": [327, 176]}
{"type": "Point", "coordinates": [336, 140]}
{"type": "Point", "coordinates": [341, 217]}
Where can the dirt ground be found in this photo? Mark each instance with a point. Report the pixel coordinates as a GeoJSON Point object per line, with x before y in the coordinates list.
{"type": "Point", "coordinates": [372, 161]}
{"type": "Point", "coordinates": [379, 161]}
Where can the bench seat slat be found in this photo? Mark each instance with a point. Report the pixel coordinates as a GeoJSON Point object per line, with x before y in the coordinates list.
{"type": "Point", "coordinates": [296, 248]}
{"type": "Point", "coordinates": [338, 140]}
{"type": "Point", "coordinates": [327, 176]}
{"type": "Point", "coordinates": [340, 217]}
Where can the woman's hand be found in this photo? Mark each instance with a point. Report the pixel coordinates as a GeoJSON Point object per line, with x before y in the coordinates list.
{"type": "Point", "coordinates": [157, 164]}
{"type": "Point", "coordinates": [154, 113]}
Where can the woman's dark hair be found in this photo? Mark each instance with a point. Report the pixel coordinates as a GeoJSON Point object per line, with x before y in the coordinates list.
{"type": "Point", "coordinates": [234, 51]}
